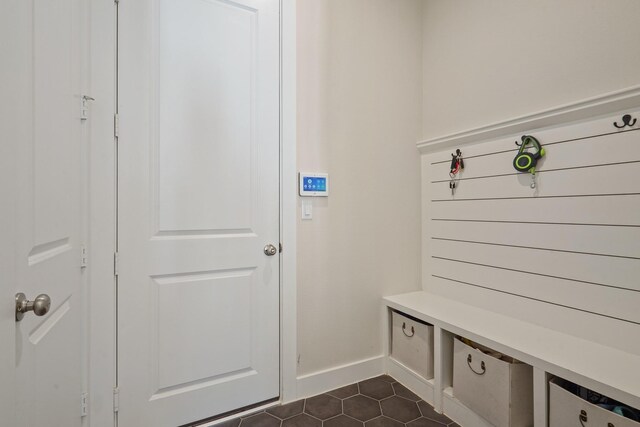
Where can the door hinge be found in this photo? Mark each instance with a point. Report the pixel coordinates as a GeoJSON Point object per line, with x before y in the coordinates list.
{"type": "Point", "coordinates": [116, 261]}
{"type": "Point", "coordinates": [84, 404]}
{"type": "Point", "coordinates": [116, 125]}
{"type": "Point", "coordinates": [116, 399]}
{"type": "Point", "coordinates": [280, 247]}
{"type": "Point", "coordinates": [83, 256]}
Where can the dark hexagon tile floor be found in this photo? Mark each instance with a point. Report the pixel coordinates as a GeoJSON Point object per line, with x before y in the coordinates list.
{"type": "Point", "coordinates": [376, 402]}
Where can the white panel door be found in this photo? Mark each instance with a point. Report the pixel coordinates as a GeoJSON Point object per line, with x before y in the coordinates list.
{"type": "Point", "coordinates": [40, 182]}
{"type": "Point", "coordinates": [198, 298]}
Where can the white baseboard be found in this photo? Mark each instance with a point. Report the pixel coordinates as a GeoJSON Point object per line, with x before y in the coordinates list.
{"type": "Point", "coordinates": [459, 413]}
{"type": "Point", "coordinates": [411, 380]}
{"type": "Point", "coordinates": [332, 378]}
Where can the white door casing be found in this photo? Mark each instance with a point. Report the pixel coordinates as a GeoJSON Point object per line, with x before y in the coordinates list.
{"type": "Point", "coordinates": [8, 218]}
{"type": "Point", "coordinates": [42, 149]}
{"type": "Point", "coordinates": [198, 300]}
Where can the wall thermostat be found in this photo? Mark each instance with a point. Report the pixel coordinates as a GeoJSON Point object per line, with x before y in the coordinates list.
{"type": "Point", "coordinates": [314, 184]}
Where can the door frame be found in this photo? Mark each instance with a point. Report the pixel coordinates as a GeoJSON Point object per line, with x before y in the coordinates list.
{"type": "Point", "coordinates": [102, 316]}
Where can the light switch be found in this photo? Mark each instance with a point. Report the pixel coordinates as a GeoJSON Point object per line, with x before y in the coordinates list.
{"type": "Point", "coordinates": [307, 208]}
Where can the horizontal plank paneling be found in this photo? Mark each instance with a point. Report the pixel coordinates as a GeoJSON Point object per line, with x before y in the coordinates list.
{"type": "Point", "coordinates": [612, 179]}
{"type": "Point", "coordinates": [595, 270]}
{"type": "Point", "coordinates": [614, 303]}
{"type": "Point", "coordinates": [601, 150]}
{"type": "Point", "coordinates": [614, 241]}
{"type": "Point", "coordinates": [608, 332]}
{"type": "Point", "coordinates": [565, 255]}
{"type": "Point", "coordinates": [581, 130]}
{"type": "Point", "coordinates": [597, 210]}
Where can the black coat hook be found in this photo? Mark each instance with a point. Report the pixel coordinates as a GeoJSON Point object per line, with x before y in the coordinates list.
{"type": "Point", "coordinates": [626, 121]}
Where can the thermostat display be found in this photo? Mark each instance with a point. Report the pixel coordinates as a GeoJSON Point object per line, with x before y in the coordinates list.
{"type": "Point", "coordinates": [314, 184]}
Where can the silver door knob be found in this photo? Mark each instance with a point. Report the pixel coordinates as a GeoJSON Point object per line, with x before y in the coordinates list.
{"type": "Point", "coordinates": [270, 250]}
{"type": "Point", "coordinates": [40, 306]}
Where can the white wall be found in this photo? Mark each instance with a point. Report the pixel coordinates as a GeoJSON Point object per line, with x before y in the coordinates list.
{"type": "Point", "coordinates": [492, 60]}
{"type": "Point", "coordinates": [374, 77]}
{"type": "Point", "coordinates": [359, 114]}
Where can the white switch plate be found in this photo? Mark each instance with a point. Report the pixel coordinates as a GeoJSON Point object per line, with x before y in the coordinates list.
{"type": "Point", "coordinates": [307, 208]}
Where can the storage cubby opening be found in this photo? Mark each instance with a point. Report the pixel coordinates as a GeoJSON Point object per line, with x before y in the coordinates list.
{"type": "Point", "coordinates": [570, 400]}
{"type": "Point", "coordinates": [497, 387]}
{"type": "Point", "coordinates": [487, 350]}
{"type": "Point", "coordinates": [412, 344]}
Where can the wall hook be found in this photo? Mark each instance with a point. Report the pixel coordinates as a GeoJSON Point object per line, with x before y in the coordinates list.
{"type": "Point", "coordinates": [626, 121]}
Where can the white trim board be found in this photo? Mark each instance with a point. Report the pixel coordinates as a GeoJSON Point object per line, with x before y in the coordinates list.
{"type": "Point", "coordinates": [411, 380]}
{"type": "Point", "coordinates": [459, 413]}
{"type": "Point", "coordinates": [589, 108]}
{"type": "Point", "coordinates": [339, 376]}
{"type": "Point", "coordinates": [288, 201]}
{"type": "Point", "coordinates": [102, 219]}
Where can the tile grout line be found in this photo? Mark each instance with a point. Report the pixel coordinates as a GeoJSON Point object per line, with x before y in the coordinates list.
{"type": "Point", "coordinates": [395, 386]}
{"type": "Point", "coordinates": [353, 418]}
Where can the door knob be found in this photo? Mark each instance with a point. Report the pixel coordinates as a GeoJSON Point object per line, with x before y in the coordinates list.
{"type": "Point", "coordinates": [270, 250]}
{"type": "Point", "coordinates": [40, 306]}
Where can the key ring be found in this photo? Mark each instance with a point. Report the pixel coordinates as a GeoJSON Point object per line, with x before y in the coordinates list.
{"type": "Point", "coordinates": [457, 164]}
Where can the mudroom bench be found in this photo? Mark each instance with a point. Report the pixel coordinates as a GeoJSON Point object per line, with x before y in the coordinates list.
{"type": "Point", "coordinates": [550, 353]}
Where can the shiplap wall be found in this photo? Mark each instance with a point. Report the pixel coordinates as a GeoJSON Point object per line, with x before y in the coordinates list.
{"type": "Point", "coordinates": [565, 255]}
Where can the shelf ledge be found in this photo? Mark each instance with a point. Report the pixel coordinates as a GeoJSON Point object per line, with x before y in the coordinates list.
{"type": "Point", "coordinates": [581, 110]}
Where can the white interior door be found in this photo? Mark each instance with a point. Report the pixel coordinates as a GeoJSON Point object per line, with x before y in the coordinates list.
{"type": "Point", "coordinates": [198, 298]}
{"type": "Point", "coordinates": [41, 176]}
